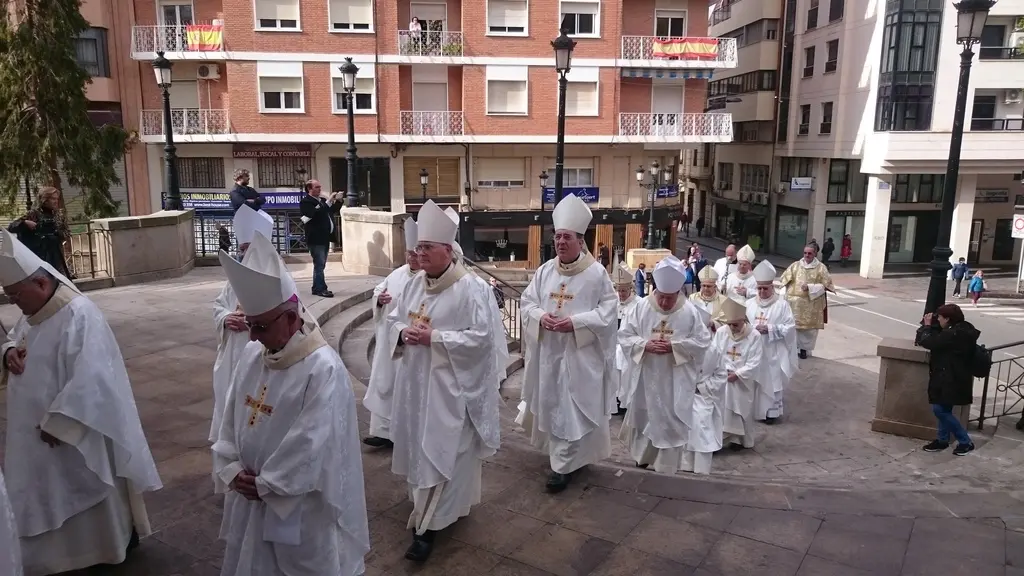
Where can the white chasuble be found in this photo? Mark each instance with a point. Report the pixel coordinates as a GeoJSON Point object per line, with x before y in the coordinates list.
{"type": "Point", "coordinates": [660, 412]}
{"type": "Point", "coordinates": [290, 420]}
{"type": "Point", "coordinates": [741, 355]}
{"type": "Point", "coordinates": [622, 392]}
{"type": "Point", "coordinates": [710, 309]}
{"type": "Point", "coordinates": [737, 280]}
{"type": "Point", "coordinates": [229, 349]}
{"type": "Point", "coordinates": [10, 549]}
{"type": "Point", "coordinates": [382, 369]}
{"type": "Point", "coordinates": [570, 377]}
{"type": "Point", "coordinates": [497, 329]}
{"type": "Point", "coordinates": [780, 353]}
{"type": "Point", "coordinates": [445, 410]}
{"type": "Point", "coordinates": [76, 504]}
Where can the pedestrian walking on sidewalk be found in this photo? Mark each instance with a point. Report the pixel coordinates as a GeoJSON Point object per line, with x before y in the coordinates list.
{"type": "Point", "coordinates": [976, 286]}
{"type": "Point", "coordinates": [953, 343]}
{"type": "Point", "coordinates": [700, 226]}
{"type": "Point", "coordinates": [846, 250]}
{"type": "Point", "coordinates": [827, 250]}
{"type": "Point", "coordinates": [960, 271]}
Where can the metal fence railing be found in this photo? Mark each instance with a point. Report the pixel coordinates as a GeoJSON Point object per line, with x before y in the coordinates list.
{"type": "Point", "coordinates": [82, 252]}
{"type": "Point", "coordinates": [1002, 389]}
{"type": "Point", "coordinates": [288, 236]}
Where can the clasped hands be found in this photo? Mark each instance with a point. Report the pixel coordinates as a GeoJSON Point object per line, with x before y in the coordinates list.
{"type": "Point", "coordinates": [14, 358]}
{"type": "Point", "coordinates": [236, 321]}
{"type": "Point", "coordinates": [245, 484]}
{"type": "Point", "coordinates": [658, 346]}
{"type": "Point", "coordinates": [762, 328]}
{"type": "Point", "coordinates": [419, 333]}
{"type": "Point", "coordinates": [556, 323]}
{"type": "Point", "coordinates": [383, 299]}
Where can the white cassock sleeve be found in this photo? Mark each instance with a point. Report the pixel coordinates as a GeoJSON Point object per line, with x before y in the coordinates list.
{"type": "Point", "coordinates": [530, 308]}
{"type": "Point", "coordinates": [396, 323]}
{"type": "Point", "coordinates": [465, 348]}
{"type": "Point", "coordinates": [10, 548]}
{"type": "Point", "coordinates": [222, 308]}
{"type": "Point", "coordinates": [694, 346]}
{"type": "Point", "coordinates": [749, 370]}
{"type": "Point", "coordinates": [589, 326]}
{"type": "Point", "coordinates": [631, 342]}
{"type": "Point", "coordinates": [784, 325]}
{"type": "Point", "coordinates": [377, 291]}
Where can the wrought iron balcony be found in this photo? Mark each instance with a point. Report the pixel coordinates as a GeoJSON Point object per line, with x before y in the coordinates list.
{"type": "Point", "coordinates": [429, 43]}
{"type": "Point", "coordinates": [655, 127]}
{"type": "Point", "coordinates": [186, 122]}
{"type": "Point", "coordinates": [997, 124]}
{"type": "Point", "coordinates": [178, 38]}
{"type": "Point", "coordinates": [437, 124]}
{"type": "Point", "coordinates": [715, 52]}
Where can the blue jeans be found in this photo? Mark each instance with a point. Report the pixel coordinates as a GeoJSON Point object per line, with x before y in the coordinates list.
{"type": "Point", "coordinates": [319, 254]}
{"type": "Point", "coordinates": [949, 424]}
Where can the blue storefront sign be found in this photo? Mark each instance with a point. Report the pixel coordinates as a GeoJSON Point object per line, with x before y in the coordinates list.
{"type": "Point", "coordinates": [670, 191]}
{"type": "Point", "coordinates": [221, 201]}
{"type": "Point", "coordinates": [588, 194]}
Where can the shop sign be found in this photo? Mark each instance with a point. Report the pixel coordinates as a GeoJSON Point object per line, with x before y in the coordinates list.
{"type": "Point", "coordinates": [992, 196]}
{"type": "Point", "coordinates": [272, 151]}
{"type": "Point", "coordinates": [588, 194]}
{"type": "Point", "coordinates": [669, 191]}
{"type": "Point", "coordinates": [221, 201]}
{"type": "Point", "coordinates": [801, 184]}
{"type": "Point", "coordinates": [853, 213]}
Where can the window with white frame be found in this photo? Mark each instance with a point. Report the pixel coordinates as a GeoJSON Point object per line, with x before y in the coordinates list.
{"type": "Point", "coordinates": [670, 23]}
{"type": "Point", "coordinates": [507, 89]}
{"type": "Point", "coordinates": [581, 96]}
{"type": "Point", "coordinates": [351, 15]}
{"type": "Point", "coordinates": [280, 85]}
{"type": "Point", "coordinates": [365, 92]}
{"type": "Point", "coordinates": [277, 14]}
{"type": "Point", "coordinates": [581, 18]}
{"type": "Point", "coordinates": [501, 173]}
{"type": "Point", "coordinates": [507, 17]}
{"type": "Point", "coordinates": [578, 177]}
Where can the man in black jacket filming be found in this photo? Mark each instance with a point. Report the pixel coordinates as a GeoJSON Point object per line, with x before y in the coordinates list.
{"type": "Point", "coordinates": [318, 218]}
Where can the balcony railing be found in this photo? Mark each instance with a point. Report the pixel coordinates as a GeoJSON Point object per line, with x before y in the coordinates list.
{"type": "Point", "coordinates": [679, 126]}
{"type": "Point", "coordinates": [178, 38]}
{"type": "Point", "coordinates": [997, 124]}
{"type": "Point", "coordinates": [689, 48]}
{"type": "Point", "coordinates": [429, 43]}
{"type": "Point", "coordinates": [432, 123]}
{"type": "Point", "coordinates": [186, 122]}
{"type": "Point", "coordinates": [1000, 53]}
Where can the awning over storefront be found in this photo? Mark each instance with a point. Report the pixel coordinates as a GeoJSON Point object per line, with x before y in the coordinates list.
{"type": "Point", "coordinates": [669, 74]}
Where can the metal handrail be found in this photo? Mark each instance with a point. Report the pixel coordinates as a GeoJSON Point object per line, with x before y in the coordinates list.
{"type": "Point", "coordinates": [1005, 384]}
{"type": "Point", "coordinates": [504, 285]}
{"type": "Point", "coordinates": [1004, 346]}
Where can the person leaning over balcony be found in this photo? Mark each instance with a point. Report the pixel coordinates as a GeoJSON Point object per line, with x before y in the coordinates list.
{"type": "Point", "coordinates": [44, 230]}
{"type": "Point", "coordinates": [242, 193]}
{"type": "Point", "coordinates": [952, 342]}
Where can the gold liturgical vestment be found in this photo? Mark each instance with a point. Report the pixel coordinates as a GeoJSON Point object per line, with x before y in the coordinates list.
{"type": "Point", "coordinates": [808, 313]}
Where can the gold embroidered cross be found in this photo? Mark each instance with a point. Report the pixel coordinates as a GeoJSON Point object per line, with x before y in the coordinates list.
{"type": "Point", "coordinates": [420, 316]}
{"type": "Point", "coordinates": [258, 406]}
{"type": "Point", "coordinates": [761, 318]}
{"type": "Point", "coordinates": [663, 330]}
{"type": "Point", "coordinates": [561, 296]}
{"type": "Point", "coordinates": [733, 354]}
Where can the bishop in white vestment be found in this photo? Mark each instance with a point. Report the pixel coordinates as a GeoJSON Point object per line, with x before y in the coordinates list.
{"type": "Point", "coordinates": [741, 354]}
{"type": "Point", "coordinates": [709, 300]}
{"type": "Point", "coordinates": [623, 280]}
{"type": "Point", "coordinates": [287, 452]}
{"type": "Point", "coordinates": [569, 315]}
{"type": "Point", "coordinates": [77, 461]}
{"type": "Point", "coordinates": [445, 406]}
{"type": "Point", "coordinates": [771, 316]}
{"type": "Point", "coordinates": [741, 284]}
{"type": "Point", "coordinates": [10, 549]}
{"type": "Point", "coordinates": [664, 339]}
{"type": "Point", "coordinates": [382, 370]}
{"type": "Point", "coordinates": [724, 367]}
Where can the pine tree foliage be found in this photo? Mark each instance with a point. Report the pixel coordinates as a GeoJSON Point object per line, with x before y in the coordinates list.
{"type": "Point", "coordinates": [45, 129]}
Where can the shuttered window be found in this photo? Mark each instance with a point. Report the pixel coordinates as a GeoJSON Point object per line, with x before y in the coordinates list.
{"type": "Point", "coordinates": [442, 182]}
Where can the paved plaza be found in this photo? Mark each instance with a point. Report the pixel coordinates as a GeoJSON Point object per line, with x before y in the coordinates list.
{"type": "Point", "coordinates": [820, 495]}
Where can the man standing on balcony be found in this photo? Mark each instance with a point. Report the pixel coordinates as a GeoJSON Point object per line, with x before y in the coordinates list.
{"type": "Point", "coordinates": [569, 316]}
{"type": "Point", "coordinates": [242, 193]}
{"type": "Point", "coordinates": [318, 210]}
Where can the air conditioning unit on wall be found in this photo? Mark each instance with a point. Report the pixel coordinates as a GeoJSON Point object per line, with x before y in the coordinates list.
{"type": "Point", "coordinates": [1012, 96]}
{"type": "Point", "coordinates": [208, 72]}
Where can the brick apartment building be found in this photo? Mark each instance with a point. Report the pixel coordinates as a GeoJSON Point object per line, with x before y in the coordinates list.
{"type": "Point", "coordinates": [472, 99]}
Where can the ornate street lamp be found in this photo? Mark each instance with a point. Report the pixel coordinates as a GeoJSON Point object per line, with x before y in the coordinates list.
{"type": "Point", "coordinates": [563, 46]}
{"type": "Point", "coordinates": [971, 17]}
{"type": "Point", "coordinates": [652, 187]}
{"type": "Point", "coordinates": [543, 193]}
{"type": "Point", "coordinates": [162, 70]}
{"type": "Point", "coordinates": [424, 180]}
{"type": "Point", "coordinates": [348, 84]}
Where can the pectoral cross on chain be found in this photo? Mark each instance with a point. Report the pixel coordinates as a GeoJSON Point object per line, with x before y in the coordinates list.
{"type": "Point", "coordinates": [561, 296]}
{"type": "Point", "coordinates": [663, 331]}
{"type": "Point", "coordinates": [420, 315]}
{"type": "Point", "coordinates": [258, 406]}
{"type": "Point", "coordinates": [733, 354]}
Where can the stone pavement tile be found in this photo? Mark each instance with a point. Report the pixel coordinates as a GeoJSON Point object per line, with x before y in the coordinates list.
{"type": "Point", "coordinates": [496, 479]}
{"type": "Point", "coordinates": [983, 505]}
{"type": "Point", "coordinates": [1015, 549]}
{"type": "Point", "coordinates": [803, 470]}
{"type": "Point", "coordinates": [384, 491]}
{"type": "Point", "coordinates": [389, 539]}
{"type": "Point", "coordinates": [529, 498]}
{"type": "Point", "coordinates": [625, 480]}
{"type": "Point", "coordinates": [495, 529]}
{"type": "Point", "coordinates": [791, 530]}
{"type": "Point", "coordinates": [450, 558]}
{"type": "Point", "coordinates": [876, 553]}
{"type": "Point", "coordinates": [890, 527]}
{"type": "Point", "coordinates": [151, 558]}
{"type": "Point", "coordinates": [597, 495]}
{"type": "Point", "coordinates": [601, 518]}
{"type": "Point", "coordinates": [1011, 571]}
{"type": "Point", "coordinates": [562, 551]}
{"type": "Point", "coordinates": [625, 561]}
{"type": "Point", "coordinates": [954, 542]}
{"type": "Point", "coordinates": [812, 566]}
{"type": "Point", "coordinates": [738, 556]}
{"type": "Point", "coordinates": [691, 488]}
{"type": "Point", "coordinates": [197, 534]}
{"type": "Point", "coordinates": [676, 540]}
{"type": "Point", "coordinates": [713, 516]}
{"type": "Point", "coordinates": [879, 503]}
{"type": "Point", "coordinates": [512, 568]}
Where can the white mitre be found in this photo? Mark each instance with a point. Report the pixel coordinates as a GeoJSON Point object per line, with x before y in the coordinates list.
{"type": "Point", "coordinates": [572, 214]}
{"type": "Point", "coordinates": [453, 215]}
{"type": "Point", "coordinates": [262, 283]}
{"type": "Point", "coordinates": [248, 222]}
{"type": "Point", "coordinates": [746, 254]}
{"type": "Point", "coordinates": [764, 272]}
{"type": "Point", "coordinates": [17, 262]}
{"type": "Point", "coordinates": [411, 234]}
{"type": "Point", "coordinates": [734, 311]}
{"type": "Point", "coordinates": [434, 225]}
{"type": "Point", "coordinates": [668, 275]}
{"type": "Point", "coordinates": [623, 276]}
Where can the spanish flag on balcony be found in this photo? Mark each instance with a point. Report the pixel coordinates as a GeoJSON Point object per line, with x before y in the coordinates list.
{"type": "Point", "coordinates": [205, 37]}
{"type": "Point", "coordinates": [685, 48]}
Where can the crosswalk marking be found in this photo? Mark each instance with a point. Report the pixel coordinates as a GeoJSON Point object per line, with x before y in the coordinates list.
{"type": "Point", "coordinates": [992, 310]}
{"type": "Point", "coordinates": [843, 291]}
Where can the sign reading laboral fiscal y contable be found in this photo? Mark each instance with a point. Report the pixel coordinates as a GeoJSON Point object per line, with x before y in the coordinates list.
{"type": "Point", "coordinates": [1018, 226]}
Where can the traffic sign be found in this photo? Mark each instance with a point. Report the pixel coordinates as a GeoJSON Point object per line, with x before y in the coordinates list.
{"type": "Point", "coordinates": [1018, 226]}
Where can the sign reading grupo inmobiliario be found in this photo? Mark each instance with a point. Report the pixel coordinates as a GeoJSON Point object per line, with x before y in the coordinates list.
{"type": "Point", "coordinates": [220, 201]}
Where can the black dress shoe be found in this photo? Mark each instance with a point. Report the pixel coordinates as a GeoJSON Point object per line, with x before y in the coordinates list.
{"type": "Point", "coordinates": [558, 482]}
{"type": "Point", "coordinates": [324, 294]}
{"type": "Point", "coordinates": [803, 354]}
{"type": "Point", "coordinates": [644, 466]}
{"type": "Point", "coordinates": [769, 421]}
{"type": "Point", "coordinates": [133, 542]}
{"type": "Point", "coordinates": [735, 447]}
{"type": "Point", "coordinates": [378, 442]}
{"type": "Point", "coordinates": [422, 546]}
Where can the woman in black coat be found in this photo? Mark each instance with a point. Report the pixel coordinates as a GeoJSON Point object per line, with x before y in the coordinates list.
{"type": "Point", "coordinates": [952, 342]}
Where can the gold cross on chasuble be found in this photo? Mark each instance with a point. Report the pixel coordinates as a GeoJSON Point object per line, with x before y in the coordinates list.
{"type": "Point", "coordinates": [561, 296]}
{"type": "Point", "coordinates": [733, 353]}
{"type": "Point", "coordinates": [258, 406]}
{"type": "Point", "coordinates": [420, 316]}
{"type": "Point", "coordinates": [663, 331]}
{"type": "Point", "coordinates": [761, 318]}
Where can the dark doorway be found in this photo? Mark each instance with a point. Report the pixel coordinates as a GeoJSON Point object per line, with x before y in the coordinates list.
{"type": "Point", "coordinates": [1002, 243]}
{"type": "Point", "coordinates": [974, 247]}
{"type": "Point", "coordinates": [927, 235]}
{"type": "Point", "coordinates": [983, 114]}
{"type": "Point", "coordinates": [373, 177]}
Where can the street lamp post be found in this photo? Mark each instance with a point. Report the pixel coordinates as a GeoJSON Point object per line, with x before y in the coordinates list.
{"type": "Point", "coordinates": [162, 69]}
{"type": "Point", "coordinates": [543, 192]}
{"type": "Point", "coordinates": [563, 46]}
{"type": "Point", "coordinates": [971, 17]}
{"type": "Point", "coordinates": [652, 193]}
{"type": "Point", "coordinates": [424, 180]}
{"type": "Point", "coordinates": [348, 84]}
